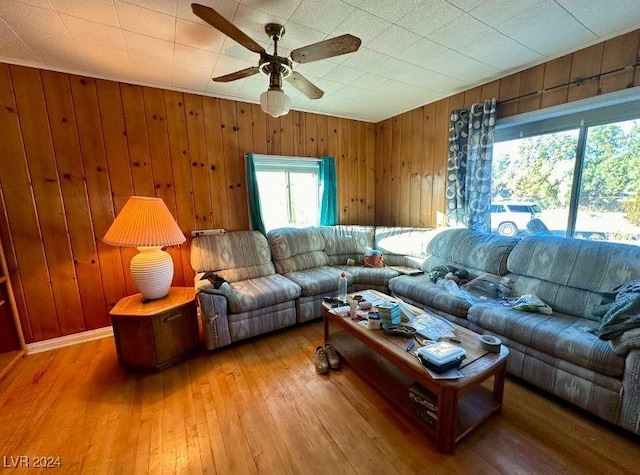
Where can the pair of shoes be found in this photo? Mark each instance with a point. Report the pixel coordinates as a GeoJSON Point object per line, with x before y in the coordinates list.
{"type": "Point", "coordinates": [332, 356]}
{"type": "Point", "coordinates": [322, 364]}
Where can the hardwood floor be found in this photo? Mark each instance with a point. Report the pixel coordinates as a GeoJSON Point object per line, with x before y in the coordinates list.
{"type": "Point", "coordinates": [259, 406]}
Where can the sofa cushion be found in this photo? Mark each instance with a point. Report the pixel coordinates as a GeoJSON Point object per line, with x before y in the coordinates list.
{"type": "Point", "coordinates": [342, 242]}
{"type": "Point", "coordinates": [571, 274]}
{"type": "Point", "coordinates": [589, 265]}
{"type": "Point", "coordinates": [404, 246]}
{"type": "Point", "coordinates": [471, 249]}
{"type": "Point", "coordinates": [234, 256]}
{"type": "Point", "coordinates": [319, 280]}
{"type": "Point", "coordinates": [376, 276]}
{"type": "Point", "coordinates": [420, 289]}
{"type": "Point", "coordinates": [296, 249]}
{"type": "Point", "coordinates": [560, 335]}
{"type": "Point", "coordinates": [261, 292]}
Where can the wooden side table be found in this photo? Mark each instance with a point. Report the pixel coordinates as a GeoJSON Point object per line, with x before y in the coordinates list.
{"type": "Point", "coordinates": [154, 335]}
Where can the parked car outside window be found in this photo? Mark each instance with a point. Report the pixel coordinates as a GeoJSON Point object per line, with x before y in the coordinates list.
{"type": "Point", "coordinates": [511, 217]}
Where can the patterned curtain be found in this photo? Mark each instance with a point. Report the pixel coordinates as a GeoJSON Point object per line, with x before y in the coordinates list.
{"type": "Point", "coordinates": [469, 166]}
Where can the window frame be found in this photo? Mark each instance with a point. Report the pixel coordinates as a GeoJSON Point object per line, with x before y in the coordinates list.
{"type": "Point", "coordinates": [618, 106]}
{"type": "Point", "coordinates": [288, 164]}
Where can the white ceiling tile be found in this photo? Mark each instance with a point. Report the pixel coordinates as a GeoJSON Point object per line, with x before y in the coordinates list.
{"type": "Point", "coordinates": [494, 48]}
{"type": "Point", "coordinates": [194, 56]}
{"type": "Point", "coordinates": [148, 46]}
{"type": "Point", "coordinates": [370, 81]}
{"type": "Point", "coordinates": [37, 3]}
{"type": "Point", "coordinates": [398, 89]}
{"type": "Point", "coordinates": [190, 77]}
{"type": "Point", "coordinates": [494, 12]}
{"type": "Point", "coordinates": [599, 15]}
{"type": "Point", "coordinates": [282, 8]}
{"type": "Point", "coordinates": [226, 8]}
{"type": "Point", "coordinates": [107, 62]}
{"type": "Point", "coordinates": [421, 52]}
{"type": "Point", "coordinates": [466, 5]}
{"type": "Point", "coordinates": [146, 22]}
{"type": "Point", "coordinates": [198, 35]}
{"type": "Point", "coordinates": [13, 48]}
{"type": "Point", "coordinates": [99, 11]}
{"type": "Point", "coordinates": [367, 60]}
{"type": "Point", "coordinates": [30, 21]}
{"type": "Point", "coordinates": [344, 74]}
{"type": "Point", "coordinates": [252, 22]}
{"type": "Point", "coordinates": [429, 16]}
{"type": "Point", "coordinates": [150, 70]}
{"type": "Point", "coordinates": [163, 6]}
{"type": "Point", "coordinates": [565, 32]}
{"type": "Point", "coordinates": [326, 84]}
{"type": "Point", "coordinates": [91, 32]}
{"type": "Point", "coordinates": [323, 15]}
{"type": "Point", "coordinates": [435, 81]}
{"type": "Point", "coordinates": [390, 11]}
{"type": "Point", "coordinates": [452, 63]}
{"type": "Point", "coordinates": [58, 52]}
{"type": "Point", "coordinates": [392, 40]}
{"type": "Point", "coordinates": [542, 13]}
{"type": "Point", "coordinates": [297, 36]}
{"type": "Point", "coordinates": [456, 33]}
{"type": "Point", "coordinates": [316, 68]}
{"type": "Point", "coordinates": [363, 25]}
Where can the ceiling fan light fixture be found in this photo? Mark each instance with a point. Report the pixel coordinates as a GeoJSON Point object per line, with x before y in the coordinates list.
{"type": "Point", "coordinates": [275, 102]}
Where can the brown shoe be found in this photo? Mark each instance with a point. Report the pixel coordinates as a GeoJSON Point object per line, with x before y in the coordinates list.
{"type": "Point", "coordinates": [332, 356]}
{"type": "Point", "coordinates": [322, 365]}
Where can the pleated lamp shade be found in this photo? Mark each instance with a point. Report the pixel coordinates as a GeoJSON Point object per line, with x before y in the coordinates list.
{"type": "Point", "coordinates": [147, 223]}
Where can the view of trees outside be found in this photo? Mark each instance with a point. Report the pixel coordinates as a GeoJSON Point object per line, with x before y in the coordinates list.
{"type": "Point", "coordinates": [540, 169]}
{"type": "Point", "coordinates": [288, 198]}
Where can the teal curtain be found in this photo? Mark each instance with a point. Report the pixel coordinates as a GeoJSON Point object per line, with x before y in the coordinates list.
{"type": "Point", "coordinates": [255, 211]}
{"type": "Point", "coordinates": [328, 192]}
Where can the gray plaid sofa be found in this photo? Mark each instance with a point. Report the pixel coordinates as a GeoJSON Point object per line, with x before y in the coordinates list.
{"type": "Point", "coordinates": [281, 279]}
{"type": "Point", "coordinates": [556, 352]}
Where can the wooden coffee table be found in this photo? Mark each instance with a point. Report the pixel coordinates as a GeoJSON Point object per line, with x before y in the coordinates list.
{"type": "Point", "coordinates": [462, 404]}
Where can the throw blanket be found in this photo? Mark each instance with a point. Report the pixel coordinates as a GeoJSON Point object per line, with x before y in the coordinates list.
{"type": "Point", "coordinates": [620, 315]}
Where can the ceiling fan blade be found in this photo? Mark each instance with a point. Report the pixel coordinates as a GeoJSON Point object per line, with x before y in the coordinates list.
{"type": "Point", "coordinates": [326, 49]}
{"type": "Point", "coordinates": [225, 26]}
{"type": "Point", "coordinates": [244, 73]}
{"type": "Point", "coordinates": [305, 86]}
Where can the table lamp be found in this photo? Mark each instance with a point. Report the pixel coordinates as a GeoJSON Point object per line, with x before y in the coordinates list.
{"type": "Point", "coordinates": [147, 223]}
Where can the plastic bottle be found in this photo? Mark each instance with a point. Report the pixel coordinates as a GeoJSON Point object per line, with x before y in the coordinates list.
{"type": "Point", "coordinates": [342, 286]}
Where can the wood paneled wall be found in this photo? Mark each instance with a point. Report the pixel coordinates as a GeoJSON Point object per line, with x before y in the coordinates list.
{"type": "Point", "coordinates": [411, 148]}
{"type": "Point", "coordinates": [74, 149]}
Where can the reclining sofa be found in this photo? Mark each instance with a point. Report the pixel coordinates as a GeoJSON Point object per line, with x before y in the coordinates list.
{"type": "Point", "coordinates": [278, 280]}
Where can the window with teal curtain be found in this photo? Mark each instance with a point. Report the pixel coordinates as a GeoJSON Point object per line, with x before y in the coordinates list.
{"type": "Point", "coordinates": [253, 192]}
{"type": "Point", "coordinates": [328, 192]}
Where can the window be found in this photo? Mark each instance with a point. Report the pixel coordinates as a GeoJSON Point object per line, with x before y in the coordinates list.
{"type": "Point", "coordinates": [574, 170]}
{"type": "Point", "coordinates": [288, 191]}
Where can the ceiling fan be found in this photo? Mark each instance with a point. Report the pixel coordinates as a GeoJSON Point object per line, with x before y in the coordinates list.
{"type": "Point", "coordinates": [274, 101]}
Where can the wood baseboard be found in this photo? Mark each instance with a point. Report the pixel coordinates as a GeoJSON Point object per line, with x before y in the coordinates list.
{"type": "Point", "coordinates": [68, 340]}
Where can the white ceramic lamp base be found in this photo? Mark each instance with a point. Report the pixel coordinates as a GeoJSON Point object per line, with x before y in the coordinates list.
{"type": "Point", "coordinates": [152, 271]}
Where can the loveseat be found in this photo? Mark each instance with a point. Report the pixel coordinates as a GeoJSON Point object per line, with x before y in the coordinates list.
{"type": "Point", "coordinates": [556, 352]}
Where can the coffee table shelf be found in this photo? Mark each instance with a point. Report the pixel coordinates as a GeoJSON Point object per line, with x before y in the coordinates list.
{"type": "Point", "coordinates": [383, 362]}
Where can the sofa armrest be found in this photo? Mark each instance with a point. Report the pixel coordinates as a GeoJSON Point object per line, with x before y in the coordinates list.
{"type": "Point", "coordinates": [626, 342]}
{"type": "Point", "coordinates": [215, 323]}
